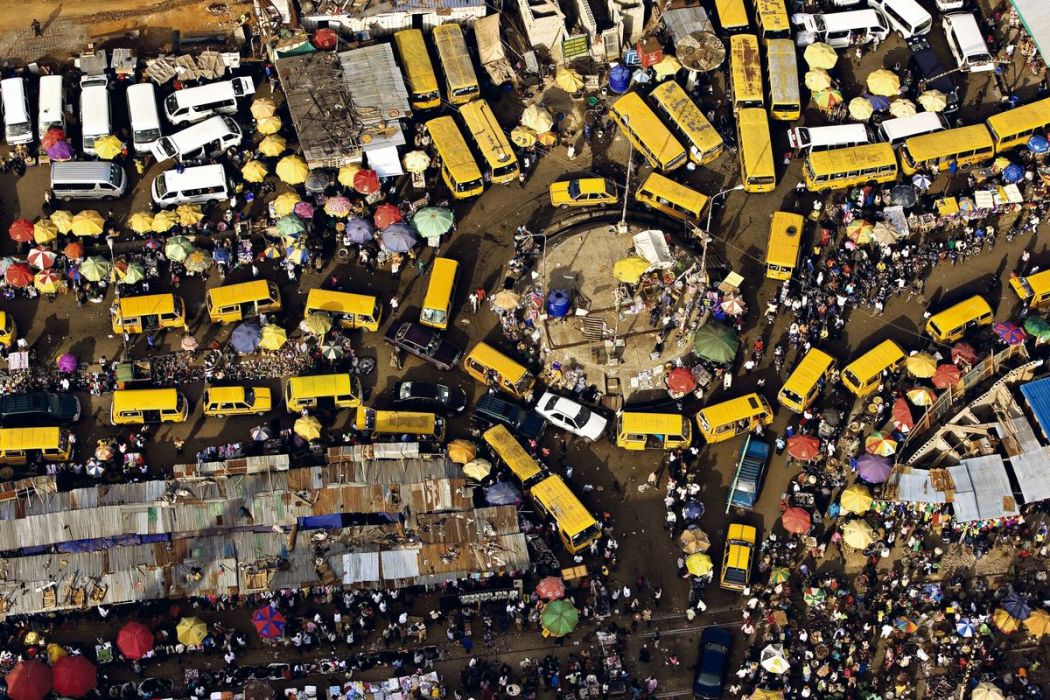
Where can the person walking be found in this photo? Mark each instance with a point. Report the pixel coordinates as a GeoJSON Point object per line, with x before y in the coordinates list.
{"type": "Point", "coordinates": [38, 30]}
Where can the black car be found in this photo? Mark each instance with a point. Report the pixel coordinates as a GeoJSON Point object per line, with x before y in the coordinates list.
{"type": "Point", "coordinates": [445, 398]}
{"type": "Point", "coordinates": [38, 408]}
{"type": "Point", "coordinates": [491, 410]}
{"type": "Point", "coordinates": [423, 343]}
{"type": "Point", "coordinates": [930, 70]}
{"type": "Point", "coordinates": [711, 666]}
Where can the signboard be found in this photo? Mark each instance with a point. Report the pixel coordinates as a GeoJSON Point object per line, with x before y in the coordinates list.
{"type": "Point", "coordinates": [576, 47]}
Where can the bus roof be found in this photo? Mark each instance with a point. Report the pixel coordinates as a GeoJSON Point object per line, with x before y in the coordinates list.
{"type": "Point", "coordinates": [939, 143]}
{"type": "Point", "coordinates": [731, 14]}
{"type": "Point", "coordinates": [507, 448]}
{"type": "Point", "coordinates": [147, 305]}
{"type": "Point", "coordinates": [653, 423]}
{"type": "Point", "coordinates": [745, 66]}
{"type": "Point", "coordinates": [774, 18]}
{"type": "Point", "coordinates": [785, 236]}
{"type": "Point", "coordinates": [16, 439]}
{"type": "Point", "coordinates": [812, 367]}
{"type": "Point", "coordinates": [783, 71]}
{"type": "Point", "coordinates": [144, 399]}
{"type": "Point", "coordinates": [838, 160]}
{"type": "Point", "coordinates": [558, 500]}
{"type": "Point", "coordinates": [449, 142]}
{"type": "Point", "coordinates": [958, 314]}
{"type": "Point", "coordinates": [734, 409]}
{"type": "Point", "coordinates": [1019, 119]}
{"type": "Point", "coordinates": [686, 115]}
{"type": "Point", "coordinates": [340, 302]}
{"type": "Point", "coordinates": [487, 133]}
{"type": "Point", "coordinates": [323, 384]}
{"type": "Point", "coordinates": [239, 293]}
{"type": "Point", "coordinates": [455, 59]}
{"type": "Point", "coordinates": [491, 357]}
{"type": "Point", "coordinates": [419, 71]}
{"type": "Point", "coordinates": [757, 150]}
{"type": "Point", "coordinates": [677, 193]}
{"type": "Point", "coordinates": [884, 354]}
{"type": "Point", "coordinates": [632, 109]}
{"type": "Point", "coordinates": [411, 422]}
{"type": "Point", "coordinates": [1034, 285]}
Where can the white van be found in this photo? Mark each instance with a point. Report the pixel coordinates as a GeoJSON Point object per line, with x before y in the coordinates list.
{"type": "Point", "coordinates": [825, 138]}
{"type": "Point", "coordinates": [967, 43]}
{"type": "Point", "coordinates": [949, 5]}
{"type": "Point", "coordinates": [143, 115]}
{"type": "Point", "coordinates": [197, 185]}
{"type": "Point", "coordinates": [94, 116]}
{"type": "Point", "coordinates": [895, 131]}
{"type": "Point", "coordinates": [197, 103]}
{"type": "Point", "coordinates": [88, 180]}
{"type": "Point", "coordinates": [836, 28]}
{"type": "Point", "coordinates": [18, 124]}
{"type": "Point", "coordinates": [51, 105]}
{"type": "Point", "coordinates": [204, 140]}
{"type": "Point", "coordinates": [906, 16]}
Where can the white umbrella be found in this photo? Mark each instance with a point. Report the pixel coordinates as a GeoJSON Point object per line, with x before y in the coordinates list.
{"type": "Point", "coordinates": [94, 468]}
{"type": "Point", "coordinates": [261, 433]}
{"type": "Point", "coordinates": [774, 660]}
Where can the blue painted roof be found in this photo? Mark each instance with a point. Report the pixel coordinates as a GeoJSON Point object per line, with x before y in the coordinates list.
{"type": "Point", "coordinates": [1037, 394]}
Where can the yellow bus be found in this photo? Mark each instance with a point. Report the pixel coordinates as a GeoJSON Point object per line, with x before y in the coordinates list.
{"type": "Point", "coordinates": [727, 419]}
{"type": "Point", "coordinates": [489, 366]}
{"type": "Point", "coordinates": [522, 465]}
{"type": "Point", "coordinates": [322, 391]}
{"type": "Point", "coordinates": [419, 425]}
{"type": "Point", "coordinates": [952, 323]}
{"type": "Point", "coordinates": [576, 526]}
{"type": "Point", "coordinates": [745, 72]}
{"type": "Point", "coordinates": [732, 15]}
{"type": "Point", "coordinates": [459, 170]}
{"type": "Point", "coordinates": [785, 238]}
{"type": "Point", "coordinates": [491, 141]}
{"type": "Point", "coordinates": [935, 152]}
{"type": "Point", "coordinates": [1032, 290]}
{"type": "Point", "coordinates": [705, 144]}
{"type": "Point", "coordinates": [838, 168]}
{"type": "Point", "coordinates": [147, 313]}
{"type": "Point", "coordinates": [756, 151]}
{"type": "Point", "coordinates": [419, 71]}
{"type": "Point", "coordinates": [1015, 126]}
{"type": "Point", "coordinates": [19, 446]}
{"type": "Point", "coordinates": [863, 375]}
{"type": "Point", "coordinates": [647, 133]}
{"type": "Point", "coordinates": [348, 310]}
{"type": "Point", "coordinates": [785, 103]}
{"type": "Point", "coordinates": [653, 431]}
{"type": "Point", "coordinates": [437, 303]}
{"type": "Point", "coordinates": [148, 406]}
{"type": "Point", "coordinates": [772, 19]}
{"type": "Point", "coordinates": [461, 82]}
{"type": "Point", "coordinates": [236, 302]}
{"type": "Point", "coordinates": [671, 198]}
{"type": "Point", "coordinates": [806, 381]}
{"type": "Point", "coordinates": [8, 330]}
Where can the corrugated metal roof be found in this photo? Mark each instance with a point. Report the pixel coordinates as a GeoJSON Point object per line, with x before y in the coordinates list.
{"type": "Point", "coordinates": [683, 21]}
{"type": "Point", "coordinates": [1032, 471]}
{"type": "Point", "coordinates": [982, 489]}
{"type": "Point", "coordinates": [1037, 396]}
{"type": "Point", "coordinates": [360, 567]}
{"type": "Point", "coordinates": [376, 86]}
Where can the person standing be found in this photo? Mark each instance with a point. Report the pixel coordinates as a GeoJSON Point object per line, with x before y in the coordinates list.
{"type": "Point", "coordinates": [37, 29]}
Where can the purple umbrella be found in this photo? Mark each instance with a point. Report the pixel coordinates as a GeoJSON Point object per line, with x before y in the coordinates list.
{"type": "Point", "coordinates": [399, 238]}
{"type": "Point", "coordinates": [873, 468]}
{"type": "Point", "coordinates": [304, 210]}
{"type": "Point", "coordinates": [1011, 333]}
{"type": "Point", "coordinates": [61, 150]}
{"type": "Point", "coordinates": [67, 363]}
{"type": "Point", "coordinates": [360, 230]}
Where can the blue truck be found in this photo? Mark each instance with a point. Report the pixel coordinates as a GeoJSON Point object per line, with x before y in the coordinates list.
{"type": "Point", "coordinates": [750, 469]}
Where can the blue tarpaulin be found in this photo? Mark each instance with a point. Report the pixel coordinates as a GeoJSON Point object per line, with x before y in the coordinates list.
{"type": "Point", "coordinates": [1037, 394]}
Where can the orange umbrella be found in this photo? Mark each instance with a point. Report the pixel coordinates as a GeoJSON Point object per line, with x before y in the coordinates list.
{"type": "Point", "coordinates": [74, 250]}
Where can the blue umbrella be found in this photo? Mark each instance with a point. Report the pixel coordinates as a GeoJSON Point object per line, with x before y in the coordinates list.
{"type": "Point", "coordinates": [693, 510]}
{"type": "Point", "coordinates": [297, 254]}
{"type": "Point", "coordinates": [502, 494]}
{"type": "Point", "coordinates": [1038, 144]}
{"type": "Point", "coordinates": [220, 255]}
{"type": "Point", "coordinates": [878, 102]}
{"type": "Point", "coordinates": [360, 230]}
{"type": "Point", "coordinates": [922, 181]}
{"type": "Point", "coordinates": [1017, 606]}
{"type": "Point", "coordinates": [1013, 173]}
{"type": "Point", "coordinates": [965, 628]}
{"type": "Point", "coordinates": [245, 337]}
{"type": "Point", "coordinates": [399, 238]}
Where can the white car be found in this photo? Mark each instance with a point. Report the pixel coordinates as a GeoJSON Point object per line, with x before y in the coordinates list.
{"type": "Point", "coordinates": [569, 415]}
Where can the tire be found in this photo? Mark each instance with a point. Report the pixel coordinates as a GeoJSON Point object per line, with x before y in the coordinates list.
{"type": "Point", "coordinates": [108, 198]}
{"type": "Point", "coordinates": [67, 198]}
{"type": "Point", "coordinates": [220, 415]}
{"type": "Point", "coordinates": [260, 413]}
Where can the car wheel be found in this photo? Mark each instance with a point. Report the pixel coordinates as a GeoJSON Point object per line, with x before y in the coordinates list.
{"type": "Point", "coordinates": [563, 206]}
{"type": "Point", "coordinates": [108, 198]}
{"type": "Point", "coordinates": [260, 413]}
{"type": "Point", "coordinates": [220, 415]}
{"type": "Point", "coordinates": [66, 198]}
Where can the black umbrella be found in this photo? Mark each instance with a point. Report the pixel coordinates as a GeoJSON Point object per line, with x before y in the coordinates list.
{"type": "Point", "coordinates": [832, 416]}
{"type": "Point", "coordinates": [904, 196]}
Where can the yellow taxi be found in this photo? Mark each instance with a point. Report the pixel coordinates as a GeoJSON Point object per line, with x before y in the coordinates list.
{"type": "Point", "coordinates": [583, 192]}
{"type": "Point", "coordinates": [222, 401]}
{"type": "Point", "coordinates": [736, 562]}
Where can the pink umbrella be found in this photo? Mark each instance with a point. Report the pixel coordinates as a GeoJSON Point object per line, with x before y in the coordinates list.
{"type": "Point", "coordinates": [304, 210]}
{"type": "Point", "coordinates": [366, 181]}
{"type": "Point", "coordinates": [67, 363]}
{"type": "Point", "coordinates": [387, 215]}
{"type": "Point", "coordinates": [41, 258]}
{"type": "Point", "coordinates": [337, 206]}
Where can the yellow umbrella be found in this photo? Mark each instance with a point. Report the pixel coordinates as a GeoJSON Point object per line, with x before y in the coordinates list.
{"type": "Point", "coordinates": [318, 323]}
{"type": "Point", "coordinates": [818, 79]}
{"type": "Point", "coordinates": [859, 230]}
{"type": "Point", "coordinates": [269, 125]}
{"type": "Point", "coordinates": [921, 396]}
{"type": "Point", "coordinates": [308, 428]}
{"type": "Point", "coordinates": [826, 99]}
{"type": "Point", "coordinates": [630, 269]}
{"type": "Point", "coordinates": [293, 170]}
{"type": "Point", "coordinates": [1005, 622]}
{"type": "Point", "coordinates": [273, 337]}
{"type": "Point", "coordinates": [45, 231]}
{"type": "Point", "coordinates": [108, 147]}
{"type": "Point", "coordinates": [667, 67]}
{"type": "Point", "coordinates": [63, 220]}
{"type": "Point", "coordinates": [164, 221]}
{"type": "Point", "coordinates": [878, 444]}
{"type": "Point", "coordinates": [141, 222]}
{"type": "Point", "coordinates": [933, 101]}
{"type": "Point", "coordinates": [55, 652]}
{"type": "Point", "coordinates": [191, 631]}
{"type": "Point", "coordinates": [254, 171]}
{"type": "Point", "coordinates": [284, 204]}
{"type": "Point", "coordinates": [347, 173]}
{"type": "Point", "coordinates": [189, 214]}
{"type": "Point", "coordinates": [568, 79]}
{"type": "Point", "coordinates": [921, 364]}
{"type": "Point", "coordinates": [477, 469]}
{"type": "Point", "coordinates": [764, 694]}
{"type": "Point", "coordinates": [883, 82]}
{"type": "Point", "coordinates": [462, 451]}
{"type": "Point", "coordinates": [821, 55]}
{"type": "Point", "coordinates": [418, 161]}
{"type": "Point", "coordinates": [699, 564]}
{"type": "Point", "coordinates": [263, 107]}
{"type": "Point", "coordinates": [856, 499]}
{"type": "Point", "coordinates": [273, 145]}
{"type": "Point", "coordinates": [857, 534]}
{"type": "Point", "coordinates": [522, 136]}
{"type": "Point", "coordinates": [47, 281]}
{"type": "Point", "coordinates": [1038, 623]}
{"type": "Point", "coordinates": [986, 691]}
{"type": "Point", "coordinates": [88, 223]}
{"type": "Point", "coordinates": [903, 108]}
{"type": "Point", "coordinates": [506, 300]}
{"type": "Point", "coordinates": [860, 109]}
{"type": "Point", "coordinates": [537, 118]}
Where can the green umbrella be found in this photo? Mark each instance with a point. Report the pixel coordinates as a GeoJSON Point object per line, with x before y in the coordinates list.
{"type": "Point", "coordinates": [95, 268]}
{"type": "Point", "coordinates": [332, 352]}
{"type": "Point", "coordinates": [131, 273]}
{"type": "Point", "coordinates": [290, 226]}
{"type": "Point", "coordinates": [716, 343]}
{"type": "Point", "coordinates": [814, 596]}
{"type": "Point", "coordinates": [318, 323]}
{"type": "Point", "coordinates": [1037, 326]}
{"type": "Point", "coordinates": [178, 247]}
{"type": "Point", "coordinates": [432, 221]}
{"type": "Point", "coordinates": [559, 617]}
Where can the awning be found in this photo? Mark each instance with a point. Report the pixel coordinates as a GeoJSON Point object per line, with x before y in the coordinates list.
{"type": "Point", "coordinates": [1035, 16]}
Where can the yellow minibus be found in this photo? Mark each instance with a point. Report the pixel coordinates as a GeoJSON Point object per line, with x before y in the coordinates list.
{"type": "Point", "coordinates": [348, 310]}
{"type": "Point", "coordinates": [838, 168]}
{"type": "Point", "coordinates": [427, 426]}
{"type": "Point", "coordinates": [419, 71]}
{"type": "Point", "coordinates": [647, 133]}
{"type": "Point", "coordinates": [506, 447]}
{"type": "Point", "coordinates": [576, 526]}
{"type": "Point", "coordinates": [785, 239]}
{"type": "Point", "coordinates": [806, 381]}
{"type": "Point", "coordinates": [236, 302]}
{"type": "Point", "coordinates": [745, 72]}
{"type": "Point", "coordinates": [1015, 126]}
{"type": "Point", "coordinates": [145, 314]}
{"type": "Point", "coordinates": [653, 431]}
{"type": "Point", "coordinates": [324, 391]}
{"type": "Point", "coordinates": [8, 330]}
{"type": "Point", "coordinates": [437, 303]}
{"type": "Point", "coordinates": [20, 446]}
{"type": "Point", "coordinates": [863, 375]}
{"type": "Point", "coordinates": [732, 15]}
{"type": "Point", "coordinates": [461, 82]}
{"type": "Point", "coordinates": [756, 151]}
{"type": "Point", "coordinates": [489, 366]}
{"type": "Point", "coordinates": [785, 102]}
{"type": "Point", "coordinates": [148, 406]}
{"type": "Point", "coordinates": [935, 152]}
{"type": "Point", "coordinates": [725, 420]}
{"type": "Point", "coordinates": [704, 142]}
{"type": "Point", "coordinates": [671, 198]}
{"type": "Point", "coordinates": [952, 323]}
{"type": "Point", "coordinates": [459, 170]}
{"type": "Point", "coordinates": [491, 142]}
{"type": "Point", "coordinates": [1032, 290]}
{"type": "Point", "coordinates": [772, 19]}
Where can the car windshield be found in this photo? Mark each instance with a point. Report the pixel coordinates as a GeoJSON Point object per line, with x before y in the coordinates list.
{"type": "Point", "coordinates": [249, 396]}
{"type": "Point", "coordinates": [708, 680]}
{"type": "Point", "coordinates": [434, 344]}
{"type": "Point", "coordinates": [583, 416]}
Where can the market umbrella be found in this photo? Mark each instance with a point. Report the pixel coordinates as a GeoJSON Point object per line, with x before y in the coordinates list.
{"type": "Point", "coordinates": [883, 82]}
{"type": "Point", "coordinates": [141, 222]}
{"type": "Point", "coordinates": [29, 680]}
{"type": "Point", "coordinates": [860, 109]}
{"type": "Point", "coordinates": [272, 251]}
{"type": "Point", "coordinates": [1009, 332]}
{"type": "Point", "coordinates": [921, 181]}
{"type": "Point", "coordinates": [198, 260]}
{"type": "Point", "coordinates": [814, 597]}
{"type": "Point", "coordinates": [921, 396]}
{"type": "Point", "coordinates": [1038, 144]}
{"type": "Point", "coordinates": [462, 451]}
{"type": "Point", "coordinates": [178, 247]}
{"type": "Point", "coordinates": [19, 275]}
{"type": "Point", "coordinates": [820, 55]}
{"type": "Point", "coordinates": [856, 499]}
{"type": "Point", "coordinates": [95, 268]}
{"type": "Point", "coordinates": [879, 444]}
{"type": "Point", "coordinates": [818, 79]}
{"type": "Point", "coordinates": [273, 146]}
{"type": "Point", "coordinates": [67, 363]}
{"type": "Point", "coordinates": [269, 125]}
{"type": "Point", "coordinates": [55, 652]}
{"type": "Point", "coordinates": [630, 269]}
{"type": "Point", "coordinates": [716, 342]}
{"type": "Point", "coordinates": [74, 676]}
{"type": "Point", "coordinates": [550, 588]}
{"type": "Point", "coordinates": [41, 258]}
{"type": "Point", "coordinates": [272, 337]}
{"type": "Point", "coordinates": [857, 533]}
{"type": "Point", "coordinates": [680, 380]}
{"type": "Point", "coordinates": [337, 206]}
{"type": "Point", "coordinates": [44, 231]}
{"type": "Point", "coordinates": [189, 343]}
{"type": "Point", "coordinates": [87, 223]}
{"type": "Point", "coordinates": [308, 428]}
{"type": "Point", "coordinates": [108, 147]}
{"type": "Point", "coordinates": [387, 215]}
{"type": "Point", "coordinates": [986, 691]}
{"type": "Point", "coordinates": [803, 447]}
{"type": "Point", "coordinates": [51, 137]}
{"type": "Point", "coordinates": [859, 231]}
{"type": "Point", "coordinates": [345, 177]}
{"type": "Point", "coordinates": [904, 195]}
{"type": "Point", "coordinates": [261, 433]}
{"type": "Point", "coordinates": [164, 221]}
{"type": "Point", "coordinates": [1013, 173]}
{"type": "Point", "coordinates": [827, 99]}
{"type": "Point", "coordinates": [1005, 622]}
{"type": "Point", "coordinates": [765, 694]}
{"type": "Point", "coordinates": [901, 415]}
{"type": "Point", "coordinates": [61, 151]}
{"type": "Point", "coordinates": [430, 222]}
{"type": "Point", "coordinates": [104, 451]}
{"type": "Point", "coordinates": [796, 520]}
{"type": "Point", "coordinates": [290, 226]}
{"type": "Point", "coordinates": [693, 509]}
{"type": "Point", "coordinates": [134, 640]}
{"type": "Point", "coordinates": [254, 171]}
{"type": "Point", "coordinates": [263, 107]}
{"type": "Point", "coordinates": [694, 540]}
{"type": "Point", "coordinates": [366, 181]}
{"type": "Point", "coordinates": [318, 323]}
{"type": "Point", "coordinates": [47, 281]}
{"type": "Point", "coordinates": [921, 364]}
{"type": "Point", "coordinates": [559, 618]}
{"type": "Point", "coordinates": [537, 118]}
{"type": "Point", "coordinates": [571, 81]}
{"type": "Point", "coordinates": [901, 107]}
{"type": "Point", "coordinates": [62, 219]}
{"type": "Point", "coordinates": [506, 300]}
{"type": "Point", "coordinates": [21, 230]}
{"type": "Point", "coordinates": [781, 574]}
{"type": "Point", "coordinates": [947, 374]}
{"type": "Point", "coordinates": [245, 337]}
{"type": "Point", "coordinates": [477, 469]}
{"type": "Point", "coordinates": [292, 169]}
{"type": "Point", "coordinates": [416, 161]}
{"type": "Point", "coordinates": [1017, 606]}
{"type": "Point", "coordinates": [304, 210]}
{"type": "Point", "coordinates": [522, 136]}
{"type": "Point", "coordinates": [965, 628]}
{"type": "Point", "coordinates": [191, 631]}
{"type": "Point", "coordinates": [269, 623]}
{"type": "Point", "coordinates": [398, 238]}
{"type": "Point", "coordinates": [359, 230]}
{"type": "Point", "coordinates": [905, 625]}
{"type": "Point", "coordinates": [774, 660]}
{"type": "Point", "coordinates": [1037, 326]}
{"type": "Point", "coordinates": [933, 101]}
{"type": "Point", "coordinates": [1038, 623]}
{"type": "Point", "coordinates": [734, 305]}
{"type": "Point", "coordinates": [284, 203]}
{"type": "Point", "coordinates": [873, 468]}
{"type": "Point", "coordinates": [699, 564]}
{"type": "Point", "coordinates": [189, 214]}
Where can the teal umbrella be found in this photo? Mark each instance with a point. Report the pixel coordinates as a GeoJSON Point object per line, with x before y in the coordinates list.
{"type": "Point", "coordinates": [716, 343]}
{"type": "Point", "coordinates": [559, 617]}
{"type": "Point", "coordinates": [1037, 326]}
{"type": "Point", "coordinates": [432, 221]}
{"type": "Point", "coordinates": [290, 226]}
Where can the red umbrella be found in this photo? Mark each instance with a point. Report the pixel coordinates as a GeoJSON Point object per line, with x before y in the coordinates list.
{"type": "Point", "coordinates": [803, 447]}
{"type": "Point", "coordinates": [325, 39]}
{"type": "Point", "coordinates": [387, 215]}
{"type": "Point", "coordinates": [680, 380]}
{"type": "Point", "coordinates": [134, 640]}
{"type": "Point", "coordinates": [366, 181]}
{"type": "Point", "coordinates": [29, 680]}
{"type": "Point", "coordinates": [902, 414]}
{"type": "Point", "coordinates": [796, 520]}
{"type": "Point", "coordinates": [551, 588]}
{"type": "Point", "coordinates": [21, 230]}
{"type": "Point", "coordinates": [19, 275]}
{"type": "Point", "coordinates": [51, 137]}
{"type": "Point", "coordinates": [964, 352]}
{"type": "Point", "coordinates": [946, 375]}
{"type": "Point", "coordinates": [74, 676]}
